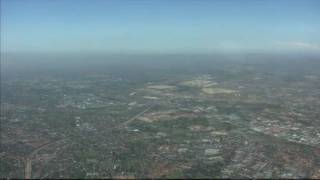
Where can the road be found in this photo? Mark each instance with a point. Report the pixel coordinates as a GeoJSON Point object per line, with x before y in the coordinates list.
{"type": "Point", "coordinates": [136, 116]}
{"type": "Point", "coordinates": [28, 167]}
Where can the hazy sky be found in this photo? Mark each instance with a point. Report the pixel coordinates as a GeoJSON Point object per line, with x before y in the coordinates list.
{"type": "Point", "coordinates": [161, 26]}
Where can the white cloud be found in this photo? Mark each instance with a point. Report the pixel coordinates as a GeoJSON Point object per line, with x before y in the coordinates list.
{"type": "Point", "coordinates": [298, 45]}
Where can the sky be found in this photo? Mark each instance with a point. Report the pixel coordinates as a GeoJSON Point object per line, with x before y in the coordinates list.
{"type": "Point", "coordinates": [160, 26]}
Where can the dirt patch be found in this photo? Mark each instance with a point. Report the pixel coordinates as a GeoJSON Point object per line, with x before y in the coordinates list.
{"type": "Point", "coordinates": [161, 87]}
{"type": "Point", "coordinates": [212, 91]}
{"type": "Point", "coordinates": [165, 115]}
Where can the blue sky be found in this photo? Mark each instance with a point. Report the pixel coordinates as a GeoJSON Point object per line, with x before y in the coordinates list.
{"type": "Point", "coordinates": [160, 26]}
